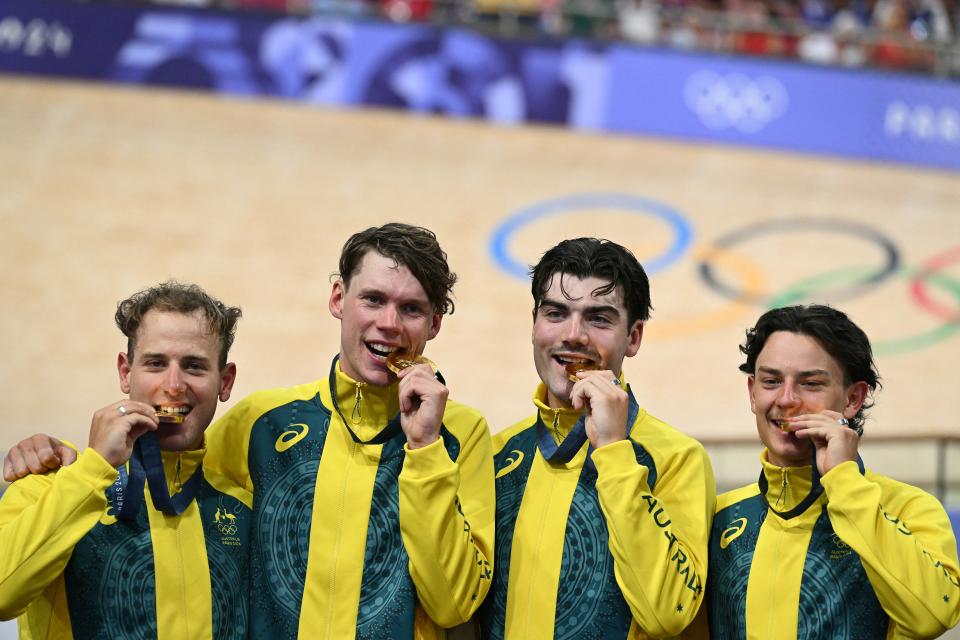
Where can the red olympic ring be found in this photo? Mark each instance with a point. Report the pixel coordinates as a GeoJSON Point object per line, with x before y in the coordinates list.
{"type": "Point", "coordinates": [918, 285]}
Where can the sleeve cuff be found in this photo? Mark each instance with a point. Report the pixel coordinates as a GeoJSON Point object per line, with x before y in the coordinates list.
{"type": "Point", "coordinates": [427, 461]}
{"type": "Point", "coordinates": [614, 457]}
{"type": "Point", "coordinates": [93, 469]}
{"type": "Point", "coordinates": [844, 477]}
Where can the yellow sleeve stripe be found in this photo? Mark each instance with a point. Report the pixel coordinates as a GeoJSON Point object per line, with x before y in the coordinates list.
{"type": "Point", "coordinates": [724, 500]}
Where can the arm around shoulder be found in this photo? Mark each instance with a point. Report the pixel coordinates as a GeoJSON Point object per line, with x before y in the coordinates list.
{"type": "Point", "coordinates": [41, 520]}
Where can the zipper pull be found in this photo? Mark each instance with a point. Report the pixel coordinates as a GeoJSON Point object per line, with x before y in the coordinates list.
{"type": "Point", "coordinates": [783, 488]}
{"type": "Point", "coordinates": [556, 425]}
{"type": "Point", "coordinates": [176, 477]}
{"type": "Point", "coordinates": [356, 416]}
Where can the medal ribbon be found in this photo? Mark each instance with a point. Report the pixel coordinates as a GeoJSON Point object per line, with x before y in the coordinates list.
{"type": "Point", "coordinates": [564, 452]}
{"type": "Point", "coordinates": [146, 464]}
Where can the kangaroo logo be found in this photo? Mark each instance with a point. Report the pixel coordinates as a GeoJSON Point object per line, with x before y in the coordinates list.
{"type": "Point", "coordinates": [225, 519]}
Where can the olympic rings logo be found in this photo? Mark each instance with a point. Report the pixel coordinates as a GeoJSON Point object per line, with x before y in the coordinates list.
{"type": "Point", "coordinates": [682, 232]}
{"type": "Point", "coordinates": [735, 101]}
{"type": "Point", "coordinates": [741, 299]}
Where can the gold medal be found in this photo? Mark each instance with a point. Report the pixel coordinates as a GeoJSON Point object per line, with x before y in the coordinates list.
{"type": "Point", "coordinates": [398, 360]}
{"type": "Point", "coordinates": [168, 416]}
{"type": "Point", "coordinates": [575, 367]}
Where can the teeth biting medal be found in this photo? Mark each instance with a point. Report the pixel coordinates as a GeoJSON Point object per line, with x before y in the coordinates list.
{"type": "Point", "coordinates": [575, 367]}
{"type": "Point", "coordinates": [170, 415]}
{"type": "Point", "coordinates": [399, 360]}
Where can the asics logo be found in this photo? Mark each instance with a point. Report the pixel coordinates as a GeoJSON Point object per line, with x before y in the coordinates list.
{"type": "Point", "coordinates": [516, 457]}
{"type": "Point", "coordinates": [732, 532]}
{"type": "Point", "coordinates": [291, 437]}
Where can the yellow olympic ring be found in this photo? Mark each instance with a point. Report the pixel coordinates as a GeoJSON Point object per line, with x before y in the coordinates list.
{"type": "Point", "coordinates": [753, 283]}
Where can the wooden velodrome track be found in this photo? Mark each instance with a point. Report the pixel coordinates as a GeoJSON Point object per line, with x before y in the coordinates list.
{"type": "Point", "coordinates": [107, 190]}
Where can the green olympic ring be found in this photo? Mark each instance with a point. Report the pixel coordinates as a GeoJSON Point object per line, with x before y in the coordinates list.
{"type": "Point", "coordinates": [799, 291]}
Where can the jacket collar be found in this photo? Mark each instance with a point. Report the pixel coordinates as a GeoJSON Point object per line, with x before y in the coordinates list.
{"type": "Point", "coordinates": [366, 408]}
{"type": "Point", "coordinates": [787, 486]}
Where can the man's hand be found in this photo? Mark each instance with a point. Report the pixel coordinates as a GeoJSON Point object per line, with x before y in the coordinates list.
{"type": "Point", "coordinates": [606, 406]}
{"type": "Point", "coordinates": [116, 427]}
{"type": "Point", "coordinates": [422, 401]}
{"type": "Point", "coordinates": [835, 442]}
{"type": "Point", "coordinates": [37, 454]}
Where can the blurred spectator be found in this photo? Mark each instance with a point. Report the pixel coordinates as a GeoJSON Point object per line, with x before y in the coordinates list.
{"type": "Point", "coordinates": [819, 47]}
{"type": "Point", "coordinates": [848, 29]}
{"type": "Point", "coordinates": [817, 13]}
{"type": "Point", "coordinates": [753, 35]}
{"type": "Point", "coordinates": [640, 21]}
{"type": "Point", "coordinates": [407, 10]}
{"type": "Point", "coordinates": [892, 48]}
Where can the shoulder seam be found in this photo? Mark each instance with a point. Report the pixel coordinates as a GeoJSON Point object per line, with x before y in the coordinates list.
{"type": "Point", "coordinates": [728, 498]}
{"type": "Point", "coordinates": [501, 438]}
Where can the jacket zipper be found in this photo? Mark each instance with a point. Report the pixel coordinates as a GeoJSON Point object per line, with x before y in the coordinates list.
{"type": "Point", "coordinates": [783, 488]}
{"type": "Point", "coordinates": [356, 415]}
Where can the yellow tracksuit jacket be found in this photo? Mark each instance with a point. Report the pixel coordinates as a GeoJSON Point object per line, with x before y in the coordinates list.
{"type": "Point", "coordinates": [70, 569]}
{"type": "Point", "coordinates": [359, 540]}
{"type": "Point", "coordinates": [870, 558]}
{"type": "Point", "coordinates": [616, 548]}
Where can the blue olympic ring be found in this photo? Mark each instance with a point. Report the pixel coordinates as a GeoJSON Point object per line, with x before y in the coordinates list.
{"type": "Point", "coordinates": [683, 232]}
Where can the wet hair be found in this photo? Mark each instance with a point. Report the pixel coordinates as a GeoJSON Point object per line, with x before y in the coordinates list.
{"type": "Point", "coordinates": [416, 248]}
{"type": "Point", "coordinates": [177, 297]}
{"type": "Point", "coordinates": [833, 330]}
{"type": "Point", "coordinates": [595, 258]}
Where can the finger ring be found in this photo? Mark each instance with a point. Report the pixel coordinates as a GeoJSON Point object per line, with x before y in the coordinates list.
{"type": "Point", "coordinates": [844, 422]}
{"type": "Point", "coordinates": [616, 382]}
{"type": "Point", "coordinates": [123, 410]}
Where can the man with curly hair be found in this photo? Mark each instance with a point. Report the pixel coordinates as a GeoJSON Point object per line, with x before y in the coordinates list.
{"type": "Point", "coordinates": [820, 546]}
{"type": "Point", "coordinates": [139, 537]}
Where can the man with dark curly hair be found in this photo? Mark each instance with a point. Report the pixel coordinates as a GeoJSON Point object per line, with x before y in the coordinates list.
{"type": "Point", "coordinates": [820, 546]}
{"type": "Point", "coordinates": [603, 510]}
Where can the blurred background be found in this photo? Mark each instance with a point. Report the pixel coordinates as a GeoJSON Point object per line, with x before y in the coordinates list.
{"type": "Point", "coordinates": [751, 153]}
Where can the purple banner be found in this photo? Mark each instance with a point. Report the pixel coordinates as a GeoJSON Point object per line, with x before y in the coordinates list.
{"type": "Point", "coordinates": [457, 72]}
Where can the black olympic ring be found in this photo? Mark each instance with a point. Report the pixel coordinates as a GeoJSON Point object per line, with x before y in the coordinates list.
{"type": "Point", "coordinates": [867, 282]}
